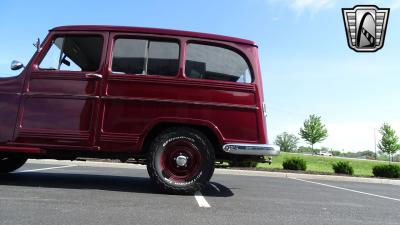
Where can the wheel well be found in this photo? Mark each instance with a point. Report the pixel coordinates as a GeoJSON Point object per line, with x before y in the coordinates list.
{"type": "Point", "coordinates": [163, 126]}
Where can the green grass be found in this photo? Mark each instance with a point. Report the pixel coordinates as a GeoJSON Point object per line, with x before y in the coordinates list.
{"type": "Point", "coordinates": [324, 163]}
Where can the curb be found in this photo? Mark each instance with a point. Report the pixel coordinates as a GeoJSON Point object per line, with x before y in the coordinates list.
{"type": "Point", "coordinates": [235, 172]}
{"type": "Point", "coordinates": [307, 176]}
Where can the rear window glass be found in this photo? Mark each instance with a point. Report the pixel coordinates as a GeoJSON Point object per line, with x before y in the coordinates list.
{"type": "Point", "coordinates": [147, 57]}
{"type": "Point", "coordinates": [216, 63]}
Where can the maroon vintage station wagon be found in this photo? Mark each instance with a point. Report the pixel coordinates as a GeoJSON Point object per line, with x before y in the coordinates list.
{"type": "Point", "coordinates": [177, 101]}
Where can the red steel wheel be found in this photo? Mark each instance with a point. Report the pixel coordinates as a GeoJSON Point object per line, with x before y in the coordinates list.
{"type": "Point", "coordinates": [181, 160]}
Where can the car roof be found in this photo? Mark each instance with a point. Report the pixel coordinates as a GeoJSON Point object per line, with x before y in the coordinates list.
{"type": "Point", "coordinates": [154, 31]}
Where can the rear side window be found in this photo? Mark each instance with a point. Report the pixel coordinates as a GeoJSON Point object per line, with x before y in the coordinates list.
{"type": "Point", "coordinates": [147, 57]}
{"type": "Point", "coordinates": [73, 53]}
{"type": "Point", "coordinates": [216, 63]}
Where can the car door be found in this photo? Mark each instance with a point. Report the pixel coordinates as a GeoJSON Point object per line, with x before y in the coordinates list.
{"type": "Point", "coordinates": [139, 76]}
{"type": "Point", "coordinates": [61, 96]}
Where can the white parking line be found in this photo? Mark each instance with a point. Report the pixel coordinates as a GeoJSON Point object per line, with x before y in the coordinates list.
{"type": "Point", "coordinates": [346, 189]}
{"type": "Point", "coordinates": [48, 168]}
{"type": "Point", "coordinates": [201, 200]}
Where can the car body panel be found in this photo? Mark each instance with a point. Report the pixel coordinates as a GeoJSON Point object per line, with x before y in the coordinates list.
{"type": "Point", "coordinates": [68, 111]}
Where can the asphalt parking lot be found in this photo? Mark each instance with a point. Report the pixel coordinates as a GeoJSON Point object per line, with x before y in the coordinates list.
{"type": "Point", "coordinates": [65, 193]}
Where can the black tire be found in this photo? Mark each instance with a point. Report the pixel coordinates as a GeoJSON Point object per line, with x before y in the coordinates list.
{"type": "Point", "coordinates": [163, 167]}
{"type": "Point", "coordinates": [9, 164]}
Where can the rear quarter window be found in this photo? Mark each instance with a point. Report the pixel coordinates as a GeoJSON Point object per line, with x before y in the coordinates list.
{"type": "Point", "coordinates": [216, 63]}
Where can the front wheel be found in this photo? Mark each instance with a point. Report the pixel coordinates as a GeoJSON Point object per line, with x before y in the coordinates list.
{"type": "Point", "coordinates": [181, 160]}
{"type": "Point", "coordinates": [9, 164]}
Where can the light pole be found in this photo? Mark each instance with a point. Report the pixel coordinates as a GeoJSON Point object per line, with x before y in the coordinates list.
{"type": "Point", "coordinates": [375, 141]}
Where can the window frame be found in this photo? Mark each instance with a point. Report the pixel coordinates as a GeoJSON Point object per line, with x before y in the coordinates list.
{"type": "Point", "coordinates": [171, 39]}
{"type": "Point", "coordinates": [220, 45]}
{"type": "Point", "coordinates": [53, 36]}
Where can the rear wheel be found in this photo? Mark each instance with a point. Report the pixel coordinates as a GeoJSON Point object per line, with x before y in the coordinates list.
{"type": "Point", "coordinates": [9, 164]}
{"type": "Point", "coordinates": [181, 160]}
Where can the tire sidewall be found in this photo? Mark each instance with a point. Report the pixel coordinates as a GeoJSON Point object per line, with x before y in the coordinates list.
{"type": "Point", "coordinates": [9, 164]}
{"type": "Point", "coordinates": [201, 144]}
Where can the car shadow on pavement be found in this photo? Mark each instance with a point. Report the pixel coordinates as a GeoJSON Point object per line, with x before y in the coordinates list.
{"type": "Point", "coordinates": [214, 189]}
{"type": "Point", "coordinates": [96, 182]}
{"type": "Point", "coordinates": [80, 181]}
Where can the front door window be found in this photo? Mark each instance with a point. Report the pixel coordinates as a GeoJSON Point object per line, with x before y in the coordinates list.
{"type": "Point", "coordinates": [73, 53]}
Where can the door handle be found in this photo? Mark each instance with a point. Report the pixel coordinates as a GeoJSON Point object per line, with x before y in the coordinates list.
{"type": "Point", "coordinates": [94, 76]}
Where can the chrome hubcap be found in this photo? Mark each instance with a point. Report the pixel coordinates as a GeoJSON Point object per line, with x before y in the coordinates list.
{"type": "Point", "coordinates": [181, 160]}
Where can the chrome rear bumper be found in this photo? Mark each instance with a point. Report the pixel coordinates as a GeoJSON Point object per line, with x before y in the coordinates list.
{"type": "Point", "coordinates": [251, 149]}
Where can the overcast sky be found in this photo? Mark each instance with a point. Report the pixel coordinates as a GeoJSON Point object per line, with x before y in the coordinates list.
{"type": "Point", "coordinates": [306, 64]}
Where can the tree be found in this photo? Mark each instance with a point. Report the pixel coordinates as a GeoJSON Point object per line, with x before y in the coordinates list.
{"type": "Point", "coordinates": [368, 154]}
{"type": "Point", "coordinates": [313, 131]}
{"type": "Point", "coordinates": [336, 153]}
{"type": "Point", "coordinates": [389, 143]}
{"type": "Point", "coordinates": [287, 142]}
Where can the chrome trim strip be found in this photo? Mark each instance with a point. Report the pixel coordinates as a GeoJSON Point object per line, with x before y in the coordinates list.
{"type": "Point", "coordinates": [9, 93]}
{"type": "Point", "coordinates": [57, 95]}
{"type": "Point", "coordinates": [159, 80]}
{"type": "Point", "coordinates": [172, 101]}
{"type": "Point", "coordinates": [251, 149]}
